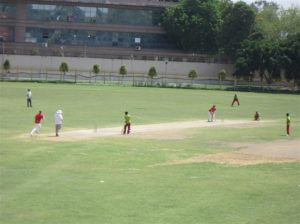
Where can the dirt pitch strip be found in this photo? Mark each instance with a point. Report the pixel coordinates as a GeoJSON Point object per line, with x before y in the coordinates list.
{"type": "Point", "coordinates": [280, 151]}
{"type": "Point", "coordinates": [159, 131]}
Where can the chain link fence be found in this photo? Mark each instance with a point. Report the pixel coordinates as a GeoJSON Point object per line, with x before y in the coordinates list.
{"type": "Point", "coordinates": [144, 80]}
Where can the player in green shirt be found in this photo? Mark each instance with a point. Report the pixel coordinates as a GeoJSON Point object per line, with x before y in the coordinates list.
{"type": "Point", "coordinates": [288, 122]}
{"type": "Point", "coordinates": [127, 119]}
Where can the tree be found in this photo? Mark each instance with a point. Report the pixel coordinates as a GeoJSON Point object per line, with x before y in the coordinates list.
{"type": "Point", "coordinates": [96, 69]}
{"type": "Point", "coordinates": [152, 73]}
{"type": "Point", "coordinates": [64, 68]}
{"type": "Point", "coordinates": [6, 65]}
{"type": "Point", "coordinates": [123, 70]}
{"type": "Point", "coordinates": [193, 25]}
{"type": "Point", "coordinates": [290, 58]}
{"type": "Point", "coordinates": [238, 23]}
{"type": "Point", "coordinates": [222, 75]}
{"type": "Point", "coordinates": [267, 19]}
{"type": "Point", "coordinates": [260, 56]}
{"type": "Point", "coordinates": [192, 75]}
{"type": "Point", "coordinates": [276, 22]}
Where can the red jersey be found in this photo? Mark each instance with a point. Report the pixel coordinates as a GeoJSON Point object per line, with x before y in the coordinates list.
{"type": "Point", "coordinates": [38, 118]}
{"type": "Point", "coordinates": [213, 109]}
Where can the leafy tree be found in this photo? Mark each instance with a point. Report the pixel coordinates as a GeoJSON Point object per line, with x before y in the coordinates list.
{"type": "Point", "coordinates": [64, 68]}
{"type": "Point", "coordinates": [152, 72]}
{"type": "Point", "coordinates": [238, 23]}
{"type": "Point", "coordinates": [192, 75]}
{"type": "Point", "coordinates": [96, 69]}
{"type": "Point", "coordinates": [267, 19]}
{"type": "Point", "coordinates": [276, 22]}
{"type": "Point", "coordinates": [222, 75]}
{"type": "Point", "coordinates": [291, 58]}
{"type": "Point", "coordinates": [193, 24]}
{"type": "Point", "coordinates": [260, 56]}
{"type": "Point", "coordinates": [289, 21]}
{"type": "Point", "coordinates": [6, 65]}
{"type": "Point", "coordinates": [123, 70]}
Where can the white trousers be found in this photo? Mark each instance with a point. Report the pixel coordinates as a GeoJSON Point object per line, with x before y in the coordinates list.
{"type": "Point", "coordinates": [211, 116]}
{"type": "Point", "coordinates": [36, 129]}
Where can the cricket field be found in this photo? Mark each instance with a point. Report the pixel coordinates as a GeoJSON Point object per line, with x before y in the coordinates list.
{"type": "Point", "coordinates": [175, 167]}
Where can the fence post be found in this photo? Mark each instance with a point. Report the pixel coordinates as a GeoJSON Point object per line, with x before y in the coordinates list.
{"type": "Point", "coordinates": [75, 77]}
{"type": "Point", "coordinates": [17, 75]}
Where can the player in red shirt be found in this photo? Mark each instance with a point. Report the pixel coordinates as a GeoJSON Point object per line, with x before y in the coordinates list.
{"type": "Point", "coordinates": [37, 120]}
{"type": "Point", "coordinates": [211, 113]}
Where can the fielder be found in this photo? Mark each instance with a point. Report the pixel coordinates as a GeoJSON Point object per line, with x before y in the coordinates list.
{"type": "Point", "coordinates": [127, 124]}
{"type": "Point", "coordinates": [211, 113]}
{"type": "Point", "coordinates": [37, 119]}
{"type": "Point", "coordinates": [288, 124]}
{"type": "Point", "coordinates": [29, 98]}
{"type": "Point", "coordinates": [235, 99]}
{"type": "Point", "coordinates": [256, 116]}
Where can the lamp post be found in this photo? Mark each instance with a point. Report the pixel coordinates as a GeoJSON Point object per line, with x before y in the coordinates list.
{"type": "Point", "coordinates": [62, 52]}
{"type": "Point", "coordinates": [2, 40]}
{"type": "Point", "coordinates": [132, 58]}
{"type": "Point", "coordinates": [85, 46]}
{"type": "Point", "coordinates": [166, 68]}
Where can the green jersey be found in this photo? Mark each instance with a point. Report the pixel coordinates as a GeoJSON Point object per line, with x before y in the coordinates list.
{"type": "Point", "coordinates": [127, 119]}
{"type": "Point", "coordinates": [288, 120]}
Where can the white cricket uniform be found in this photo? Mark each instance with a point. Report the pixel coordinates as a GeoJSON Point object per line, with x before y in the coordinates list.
{"type": "Point", "coordinates": [58, 118]}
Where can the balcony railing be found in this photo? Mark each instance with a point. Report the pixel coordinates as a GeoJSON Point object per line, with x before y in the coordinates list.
{"type": "Point", "coordinates": [146, 3]}
{"type": "Point", "coordinates": [109, 53]}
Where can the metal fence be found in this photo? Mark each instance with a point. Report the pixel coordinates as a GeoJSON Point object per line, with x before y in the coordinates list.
{"type": "Point", "coordinates": [11, 48]}
{"type": "Point", "coordinates": [144, 80]}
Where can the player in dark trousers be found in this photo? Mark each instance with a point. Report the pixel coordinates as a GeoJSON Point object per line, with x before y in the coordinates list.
{"type": "Point", "coordinates": [288, 124]}
{"type": "Point", "coordinates": [29, 98]}
{"type": "Point", "coordinates": [127, 124]}
{"type": "Point", "coordinates": [235, 99]}
{"type": "Point", "coordinates": [256, 116]}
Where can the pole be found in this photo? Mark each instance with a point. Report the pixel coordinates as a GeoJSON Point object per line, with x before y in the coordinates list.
{"type": "Point", "coordinates": [2, 53]}
{"type": "Point", "coordinates": [166, 68]}
{"type": "Point", "coordinates": [131, 56]}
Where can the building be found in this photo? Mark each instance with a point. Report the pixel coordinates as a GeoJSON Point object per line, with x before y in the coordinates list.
{"type": "Point", "coordinates": [130, 24]}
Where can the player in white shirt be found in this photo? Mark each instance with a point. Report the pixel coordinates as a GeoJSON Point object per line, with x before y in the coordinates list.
{"type": "Point", "coordinates": [29, 98]}
{"type": "Point", "coordinates": [58, 118]}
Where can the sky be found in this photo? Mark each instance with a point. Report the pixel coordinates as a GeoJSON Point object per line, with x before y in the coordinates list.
{"type": "Point", "coordinates": [284, 3]}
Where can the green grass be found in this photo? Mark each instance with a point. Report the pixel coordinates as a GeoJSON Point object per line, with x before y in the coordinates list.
{"type": "Point", "coordinates": [113, 180]}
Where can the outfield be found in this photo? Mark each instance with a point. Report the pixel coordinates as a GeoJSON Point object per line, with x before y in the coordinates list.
{"type": "Point", "coordinates": [134, 179]}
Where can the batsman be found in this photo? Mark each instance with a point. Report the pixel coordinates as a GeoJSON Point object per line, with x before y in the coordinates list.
{"type": "Point", "coordinates": [127, 124]}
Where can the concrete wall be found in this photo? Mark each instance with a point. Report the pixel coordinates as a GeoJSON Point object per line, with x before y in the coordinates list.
{"type": "Point", "coordinates": [21, 63]}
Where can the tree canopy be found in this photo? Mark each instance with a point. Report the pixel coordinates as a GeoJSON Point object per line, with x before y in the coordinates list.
{"type": "Point", "coordinates": [270, 59]}
{"type": "Point", "coordinates": [261, 38]}
{"type": "Point", "coordinates": [193, 24]}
